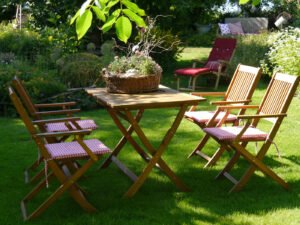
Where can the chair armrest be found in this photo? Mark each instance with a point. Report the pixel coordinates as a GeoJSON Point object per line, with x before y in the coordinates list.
{"type": "Point", "coordinates": [57, 112]}
{"type": "Point", "coordinates": [65, 133]}
{"type": "Point", "coordinates": [195, 61]}
{"type": "Point", "coordinates": [57, 120]}
{"type": "Point", "coordinates": [229, 107]}
{"type": "Point", "coordinates": [261, 116]}
{"type": "Point", "coordinates": [52, 105]}
{"type": "Point", "coordinates": [208, 93]}
{"type": "Point", "coordinates": [229, 102]}
{"type": "Point", "coordinates": [223, 61]}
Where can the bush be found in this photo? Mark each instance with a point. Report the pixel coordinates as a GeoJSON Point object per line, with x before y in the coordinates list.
{"type": "Point", "coordinates": [250, 50]}
{"type": "Point", "coordinates": [42, 87]}
{"type": "Point", "coordinates": [284, 53]}
{"type": "Point", "coordinates": [80, 69]}
{"type": "Point", "coordinates": [41, 84]}
{"type": "Point", "coordinates": [23, 43]}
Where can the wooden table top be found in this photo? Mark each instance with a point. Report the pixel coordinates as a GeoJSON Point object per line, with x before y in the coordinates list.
{"type": "Point", "coordinates": [163, 98]}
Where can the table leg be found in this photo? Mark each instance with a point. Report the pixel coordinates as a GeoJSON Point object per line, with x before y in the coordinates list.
{"type": "Point", "coordinates": [156, 153]}
{"type": "Point", "coordinates": [123, 140]}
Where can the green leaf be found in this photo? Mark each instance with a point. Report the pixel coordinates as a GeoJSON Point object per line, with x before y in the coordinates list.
{"type": "Point", "coordinates": [255, 2]}
{"type": "Point", "coordinates": [83, 23]}
{"type": "Point", "coordinates": [100, 15]}
{"type": "Point", "coordinates": [74, 17]}
{"type": "Point", "coordinates": [109, 23]}
{"type": "Point", "coordinates": [133, 7]}
{"type": "Point", "coordinates": [123, 28]}
{"type": "Point", "coordinates": [134, 17]}
{"type": "Point", "coordinates": [241, 2]}
{"type": "Point", "coordinates": [100, 4]}
{"type": "Point", "coordinates": [112, 3]}
{"type": "Point", "coordinates": [116, 13]}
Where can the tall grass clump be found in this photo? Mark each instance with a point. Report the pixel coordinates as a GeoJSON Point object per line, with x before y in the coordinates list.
{"type": "Point", "coordinates": [250, 50]}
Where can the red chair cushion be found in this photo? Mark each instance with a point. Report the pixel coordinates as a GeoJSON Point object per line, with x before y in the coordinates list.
{"type": "Point", "coordinates": [230, 133]}
{"type": "Point", "coordinates": [205, 116]}
{"type": "Point", "coordinates": [74, 150]}
{"type": "Point", "coordinates": [59, 127]}
{"type": "Point", "coordinates": [192, 71]}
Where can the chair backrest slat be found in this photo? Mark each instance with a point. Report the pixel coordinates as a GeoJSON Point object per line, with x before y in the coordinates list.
{"type": "Point", "coordinates": [21, 110]}
{"type": "Point", "coordinates": [243, 83]}
{"type": "Point", "coordinates": [279, 95]}
{"type": "Point", "coordinates": [24, 96]}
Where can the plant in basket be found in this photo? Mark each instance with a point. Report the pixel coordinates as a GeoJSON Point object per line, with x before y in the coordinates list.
{"type": "Point", "coordinates": [137, 72]}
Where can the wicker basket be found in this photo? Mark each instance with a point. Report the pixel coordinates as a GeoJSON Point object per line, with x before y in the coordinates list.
{"type": "Point", "coordinates": [132, 85]}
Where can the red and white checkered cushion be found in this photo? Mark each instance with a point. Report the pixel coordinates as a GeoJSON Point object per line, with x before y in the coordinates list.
{"type": "Point", "coordinates": [58, 127]}
{"type": "Point", "coordinates": [73, 149]}
{"type": "Point", "coordinates": [205, 116]}
{"type": "Point", "coordinates": [230, 133]}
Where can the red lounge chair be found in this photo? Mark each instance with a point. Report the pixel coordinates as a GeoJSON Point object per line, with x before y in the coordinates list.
{"type": "Point", "coordinates": [219, 57]}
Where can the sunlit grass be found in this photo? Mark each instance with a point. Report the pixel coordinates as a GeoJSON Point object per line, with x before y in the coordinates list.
{"type": "Point", "coordinates": [159, 202]}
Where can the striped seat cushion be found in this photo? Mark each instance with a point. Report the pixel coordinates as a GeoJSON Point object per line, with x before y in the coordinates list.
{"type": "Point", "coordinates": [230, 133]}
{"type": "Point", "coordinates": [205, 116]}
{"type": "Point", "coordinates": [58, 127]}
{"type": "Point", "coordinates": [73, 149]}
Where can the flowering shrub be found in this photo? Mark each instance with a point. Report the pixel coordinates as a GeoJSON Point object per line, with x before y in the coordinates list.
{"type": "Point", "coordinates": [284, 53]}
{"type": "Point", "coordinates": [134, 65]}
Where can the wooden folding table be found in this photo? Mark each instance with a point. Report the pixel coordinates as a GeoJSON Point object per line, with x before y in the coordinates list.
{"type": "Point", "coordinates": [120, 106]}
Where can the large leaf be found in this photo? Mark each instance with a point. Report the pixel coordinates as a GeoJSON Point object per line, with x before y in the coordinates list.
{"type": "Point", "coordinates": [112, 3]}
{"type": "Point", "coordinates": [83, 23]}
{"type": "Point", "coordinates": [134, 17]}
{"type": "Point", "coordinates": [133, 7]}
{"type": "Point", "coordinates": [241, 2]}
{"type": "Point", "coordinates": [116, 13]}
{"type": "Point", "coordinates": [109, 23]}
{"type": "Point", "coordinates": [75, 17]}
{"type": "Point", "coordinates": [123, 28]}
{"type": "Point", "coordinates": [100, 15]}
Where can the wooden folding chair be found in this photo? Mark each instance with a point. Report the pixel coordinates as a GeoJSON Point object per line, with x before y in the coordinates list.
{"type": "Point", "coordinates": [239, 92]}
{"type": "Point", "coordinates": [59, 159]}
{"type": "Point", "coordinates": [273, 108]}
{"type": "Point", "coordinates": [217, 63]}
{"type": "Point", "coordinates": [50, 125]}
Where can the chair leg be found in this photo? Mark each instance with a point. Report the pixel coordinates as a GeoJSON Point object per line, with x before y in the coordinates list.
{"type": "Point", "coordinates": [229, 165]}
{"type": "Point", "coordinates": [199, 147]}
{"type": "Point", "coordinates": [67, 183]}
{"type": "Point", "coordinates": [215, 157]}
{"type": "Point", "coordinates": [256, 164]}
{"type": "Point", "coordinates": [178, 83]}
{"type": "Point", "coordinates": [194, 83]}
{"type": "Point", "coordinates": [217, 81]}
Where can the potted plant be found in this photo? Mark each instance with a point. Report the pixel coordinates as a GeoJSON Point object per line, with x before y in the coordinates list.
{"type": "Point", "coordinates": [132, 74]}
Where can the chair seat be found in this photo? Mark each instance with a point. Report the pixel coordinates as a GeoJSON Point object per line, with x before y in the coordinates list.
{"type": "Point", "coordinates": [192, 71]}
{"type": "Point", "coordinates": [73, 149]}
{"type": "Point", "coordinates": [230, 133]}
{"type": "Point", "coordinates": [58, 127]}
{"type": "Point", "coordinates": [205, 116]}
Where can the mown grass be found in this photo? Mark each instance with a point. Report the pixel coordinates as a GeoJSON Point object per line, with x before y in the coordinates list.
{"type": "Point", "coordinates": [262, 201]}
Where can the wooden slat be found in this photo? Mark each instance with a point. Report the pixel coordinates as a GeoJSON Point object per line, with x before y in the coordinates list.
{"type": "Point", "coordinates": [163, 98]}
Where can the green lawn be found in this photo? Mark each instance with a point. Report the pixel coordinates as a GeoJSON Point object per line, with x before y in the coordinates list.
{"type": "Point", "coordinates": [262, 201]}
